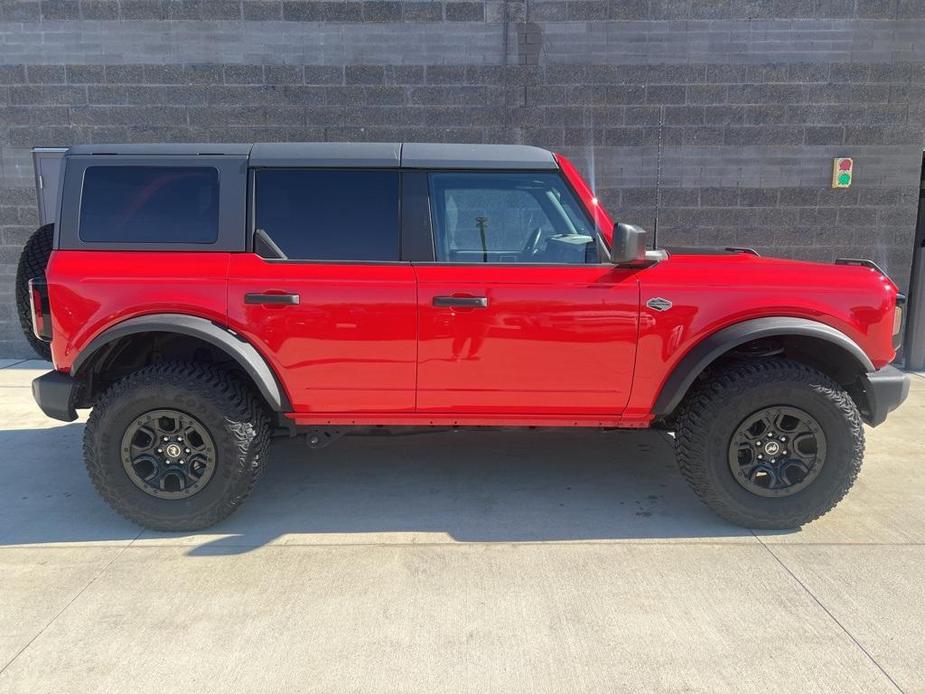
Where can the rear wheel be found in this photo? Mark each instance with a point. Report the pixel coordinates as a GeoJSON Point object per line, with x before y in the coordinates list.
{"type": "Point", "coordinates": [32, 263]}
{"type": "Point", "coordinates": [176, 445]}
{"type": "Point", "coordinates": [769, 443]}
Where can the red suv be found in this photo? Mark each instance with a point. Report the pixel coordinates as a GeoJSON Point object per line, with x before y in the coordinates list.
{"type": "Point", "coordinates": [204, 298]}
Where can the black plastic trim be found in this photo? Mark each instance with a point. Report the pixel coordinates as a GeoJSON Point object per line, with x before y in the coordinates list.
{"type": "Point", "coordinates": [861, 262]}
{"type": "Point", "coordinates": [886, 389]}
{"type": "Point", "coordinates": [424, 155]}
{"type": "Point", "coordinates": [460, 301]}
{"type": "Point", "coordinates": [272, 299]}
{"type": "Point", "coordinates": [709, 250]}
{"type": "Point", "coordinates": [236, 347]}
{"type": "Point", "coordinates": [720, 342]}
{"type": "Point", "coordinates": [40, 285]}
{"type": "Point", "coordinates": [165, 149]}
{"type": "Point", "coordinates": [232, 181]}
{"type": "Point", "coordinates": [417, 241]}
{"type": "Point", "coordinates": [341, 155]}
{"type": "Point", "coordinates": [54, 394]}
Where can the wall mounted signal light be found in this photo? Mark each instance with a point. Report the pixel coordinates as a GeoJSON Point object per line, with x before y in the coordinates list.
{"type": "Point", "coordinates": [842, 172]}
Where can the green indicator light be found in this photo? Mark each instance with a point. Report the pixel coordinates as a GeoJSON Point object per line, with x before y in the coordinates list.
{"type": "Point", "coordinates": [842, 172]}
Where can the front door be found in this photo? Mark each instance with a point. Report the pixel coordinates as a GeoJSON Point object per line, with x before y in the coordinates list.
{"type": "Point", "coordinates": [518, 315]}
{"type": "Point", "coordinates": [325, 296]}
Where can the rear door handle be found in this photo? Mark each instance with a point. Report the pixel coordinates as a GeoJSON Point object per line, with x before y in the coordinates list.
{"type": "Point", "coordinates": [461, 301]}
{"type": "Point", "coordinates": [276, 299]}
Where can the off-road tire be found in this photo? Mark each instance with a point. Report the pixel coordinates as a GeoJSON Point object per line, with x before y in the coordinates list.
{"type": "Point", "coordinates": [717, 405]}
{"type": "Point", "coordinates": [231, 412]}
{"type": "Point", "coordinates": [32, 263]}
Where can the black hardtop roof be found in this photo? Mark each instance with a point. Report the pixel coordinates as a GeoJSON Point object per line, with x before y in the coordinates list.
{"type": "Point", "coordinates": [411, 155]}
{"type": "Point", "coordinates": [165, 149]}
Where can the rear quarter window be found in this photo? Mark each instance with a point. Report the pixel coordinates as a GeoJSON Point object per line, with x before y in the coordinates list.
{"type": "Point", "coordinates": [149, 204]}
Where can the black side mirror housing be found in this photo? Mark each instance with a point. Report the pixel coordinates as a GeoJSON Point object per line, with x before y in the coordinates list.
{"type": "Point", "coordinates": [629, 245]}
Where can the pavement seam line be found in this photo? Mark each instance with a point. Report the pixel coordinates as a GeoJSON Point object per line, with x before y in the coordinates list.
{"type": "Point", "coordinates": [8, 366]}
{"type": "Point", "coordinates": [831, 616]}
{"type": "Point", "coordinates": [153, 543]}
{"type": "Point", "coordinates": [69, 603]}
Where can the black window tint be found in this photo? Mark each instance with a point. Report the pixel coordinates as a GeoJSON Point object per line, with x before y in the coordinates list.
{"type": "Point", "coordinates": [149, 204]}
{"type": "Point", "coordinates": [330, 215]}
{"type": "Point", "coordinates": [483, 217]}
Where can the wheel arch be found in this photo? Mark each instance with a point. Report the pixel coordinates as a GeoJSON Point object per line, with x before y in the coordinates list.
{"type": "Point", "coordinates": [817, 344]}
{"type": "Point", "coordinates": [220, 338]}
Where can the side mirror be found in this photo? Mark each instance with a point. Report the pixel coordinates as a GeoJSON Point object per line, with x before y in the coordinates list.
{"type": "Point", "coordinates": [629, 245]}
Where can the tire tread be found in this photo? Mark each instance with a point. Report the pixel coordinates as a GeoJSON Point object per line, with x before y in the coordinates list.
{"type": "Point", "coordinates": [247, 422]}
{"type": "Point", "coordinates": [32, 263]}
{"type": "Point", "coordinates": [706, 402]}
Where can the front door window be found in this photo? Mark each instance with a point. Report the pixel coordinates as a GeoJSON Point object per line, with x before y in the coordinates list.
{"type": "Point", "coordinates": [509, 218]}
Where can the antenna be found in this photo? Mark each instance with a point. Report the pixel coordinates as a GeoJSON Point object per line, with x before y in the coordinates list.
{"type": "Point", "coordinates": [658, 177]}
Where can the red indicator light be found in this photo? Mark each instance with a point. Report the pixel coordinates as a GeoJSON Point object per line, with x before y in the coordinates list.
{"type": "Point", "coordinates": [842, 172]}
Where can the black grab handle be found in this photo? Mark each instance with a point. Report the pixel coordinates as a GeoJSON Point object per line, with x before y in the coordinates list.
{"type": "Point", "coordinates": [461, 301]}
{"type": "Point", "coordinates": [277, 299]}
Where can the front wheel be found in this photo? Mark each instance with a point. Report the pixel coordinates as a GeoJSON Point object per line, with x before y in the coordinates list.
{"type": "Point", "coordinates": [176, 445]}
{"type": "Point", "coordinates": [769, 443]}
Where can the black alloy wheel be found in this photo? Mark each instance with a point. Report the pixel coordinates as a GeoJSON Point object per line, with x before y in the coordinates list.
{"type": "Point", "coordinates": [168, 454]}
{"type": "Point", "coordinates": [777, 451]}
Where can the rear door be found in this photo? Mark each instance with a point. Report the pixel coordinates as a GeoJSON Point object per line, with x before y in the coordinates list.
{"type": "Point", "coordinates": [337, 315]}
{"type": "Point", "coordinates": [519, 315]}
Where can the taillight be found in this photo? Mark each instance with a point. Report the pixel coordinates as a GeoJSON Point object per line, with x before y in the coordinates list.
{"type": "Point", "coordinates": [898, 320]}
{"type": "Point", "coordinates": [41, 309]}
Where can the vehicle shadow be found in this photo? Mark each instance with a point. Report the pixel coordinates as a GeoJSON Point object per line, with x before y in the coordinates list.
{"type": "Point", "coordinates": [491, 486]}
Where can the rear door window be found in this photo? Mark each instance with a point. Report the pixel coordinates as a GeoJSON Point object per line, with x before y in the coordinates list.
{"type": "Point", "coordinates": [149, 204]}
{"type": "Point", "coordinates": [330, 215]}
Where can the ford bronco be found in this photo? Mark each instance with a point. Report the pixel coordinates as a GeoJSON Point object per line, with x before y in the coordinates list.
{"type": "Point", "coordinates": [204, 298]}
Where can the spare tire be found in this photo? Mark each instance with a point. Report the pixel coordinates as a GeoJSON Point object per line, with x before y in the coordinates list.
{"type": "Point", "coordinates": [32, 263]}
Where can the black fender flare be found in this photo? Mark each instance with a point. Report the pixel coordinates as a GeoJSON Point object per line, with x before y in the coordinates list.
{"type": "Point", "coordinates": [707, 350]}
{"type": "Point", "coordinates": [232, 344]}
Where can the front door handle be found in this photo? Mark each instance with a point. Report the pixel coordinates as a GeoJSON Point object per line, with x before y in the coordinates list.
{"type": "Point", "coordinates": [461, 301]}
{"type": "Point", "coordinates": [276, 299]}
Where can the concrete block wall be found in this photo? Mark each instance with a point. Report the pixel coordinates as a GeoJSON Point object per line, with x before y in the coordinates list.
{"type": "Point", "coordinates": [755, 98]}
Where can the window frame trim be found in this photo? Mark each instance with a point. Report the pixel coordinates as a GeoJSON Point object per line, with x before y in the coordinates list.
{"type": "Point", "coordinates": [218, 208]}
{"type": "Point", "coordinates": [232, 170]}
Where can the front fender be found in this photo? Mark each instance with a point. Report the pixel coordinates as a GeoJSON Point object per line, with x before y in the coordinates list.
{"type": "Point", "coordinates": [713, 346]}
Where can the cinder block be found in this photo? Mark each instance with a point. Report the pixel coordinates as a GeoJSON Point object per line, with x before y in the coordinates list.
{"type": "Point", "coordinates": [302, 11]}
{"type": "Point", "coordinates": [12, 74]}
{"type": "Point", "coordinates": [60, 9]}
{"type": "Point", "coordinates": [381, 11]}
{"type": "Point", "coordinates": [20, 11]}
{"type": "Point", "coordinates": [422, 11]}
{"type": "Point", "coordinates": [364, 74]}
{"type": "Point", "coordinates": [262, 10]}
{"type": "Point", "coordinates": [464, 11]}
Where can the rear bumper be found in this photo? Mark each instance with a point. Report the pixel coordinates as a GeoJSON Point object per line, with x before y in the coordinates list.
{"type": "Point", "coordinates": [54, 393]}
{"type": "Point", "coordinates": [885, 390]}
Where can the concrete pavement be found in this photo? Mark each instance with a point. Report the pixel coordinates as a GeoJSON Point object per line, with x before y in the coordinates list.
{"type": "Point", "coordinates": [499, 562]}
